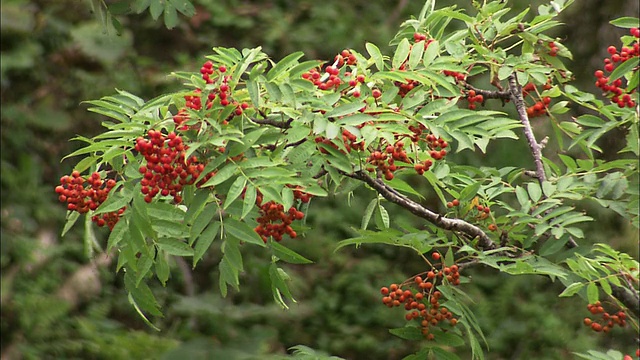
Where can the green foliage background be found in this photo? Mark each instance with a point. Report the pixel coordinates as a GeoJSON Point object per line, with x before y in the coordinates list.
{"type": "Point", "coordinates": [56, 303]}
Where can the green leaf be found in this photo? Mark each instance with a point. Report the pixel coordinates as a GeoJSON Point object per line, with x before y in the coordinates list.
{"type": "Point", "coordinates": [162, 267]}
{"type": "Point", "coordinates": [279, 286]}
{"type": "Point", "coordinates": [174, 247]}
{"type": "Point", "coordinates": [469, 192]}
{"type": "Point", "coordinates": [344, 109]}
{"type": "Point", "coordinates": [205, 240]}
{"type": "Point", "coordinates": [623, 68]}
{"type": "Point", "coordinates": [242, 231]}
{"type": "Point", "coordinates": [285, 64]}
{"type": "Point", "coordinates": [118, 233]}
{"type": "Point", "coordinates": [72, 217]}
{"type": "Point", "coordinates": [156, 9]}
{"type": "Point", "coordinates": [592, 293]}
{"type": "Point", "coordinates": [606, 286]}
{"type": "Point", "coordinates": [231, 250]}
{"type": "Point", "coordinates": [376, 55]}
{"type": "Point", "coordinates": [416, 54]}
{"type": "Point", "coordinates": [625, 22]}
{"type": "Point", "coordinates": [408, 333]}
{"type": "Point", "coordinates": [287, 255]}
{"type": "Point", "coordinates": [368, 213]}
{"type": "Point", "coordinates": [234, 191]}
{"type": "Point", "coordinates": [249, 202]}
{"type": "Point", "coordinates": [115, 202]}
{"type": "Point", "coordinates": [170, 15]}
{"type": "Point", "coordinates": [572, 289]}
{"type": "Point", "coordinates": [535, 192]}
{"type": "Point", "coordinates": [442, 354]}
{"type": "Point", "coordinates": [432, 52]}
{"type": "Point", "coordinates": [202, 220]}
{"type": "Point", "coordinates": [384, 215]}
{"type": "Point", "coordinates": [221, 176]}
{"type": "Point", "coordinates": [228, 275]}
{"type": "Point", "coordinates": [141, 294]}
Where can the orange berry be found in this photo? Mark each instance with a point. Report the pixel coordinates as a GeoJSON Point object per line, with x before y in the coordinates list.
{"type": "Point", "coordinates": [435, 255]}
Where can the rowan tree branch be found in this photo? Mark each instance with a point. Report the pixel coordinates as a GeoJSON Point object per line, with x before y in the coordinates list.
{"type": "Point", "coordinates": [282, 124]}
{"type": "Point", "coordinates": [515, 91]}
{"type": "Point", "coordinates": [630, 298]}
{"type": "Point", "coordinates": [440, 221]}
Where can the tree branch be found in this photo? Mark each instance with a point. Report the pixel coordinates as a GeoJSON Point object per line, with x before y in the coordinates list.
{"type": "Point", "coordinates": [515, 91]}
{"type": "Point", "coordinates": [488, 94]}
{"type": "Point", "coordinates": [272, 122]}
{"type": "Point", "coordinates": [628, 297]}
{"type": "Point", "coordinates": [440, 221]}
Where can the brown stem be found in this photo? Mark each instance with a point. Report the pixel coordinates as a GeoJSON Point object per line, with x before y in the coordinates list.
{"type": "Point", "coordinates": [440, 221]}
{"type": "Point", "coordinates": [515, 91]}
{"type": "Point", "coordinates": [275, 123]}
{"type": "Point", "coordinates": [628, 297]}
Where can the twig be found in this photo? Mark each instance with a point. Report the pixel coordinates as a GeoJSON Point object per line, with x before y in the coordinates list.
{"type": "Point", "coordinates": [279, 124]}
{"type": "Point", "coordinates": [629, 298]}
{"type": "Point", "coordinates": [488, 94]}
{"type": "Point", "coordinates": [515, 91]}
{"type": "Point", "coordinates": [440, 221]}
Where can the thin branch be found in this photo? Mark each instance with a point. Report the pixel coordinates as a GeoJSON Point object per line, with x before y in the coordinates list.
{"type": "Point", "coordinates": [275, 123]}
{"type": "Point", "coordinates": [515, 91]}
{"type": "Point", "coordinates": [440, 221]}
{"type": "Point", "coordinates": [488, 94]}
{"type": "Point", "coordinates": [629, 298]}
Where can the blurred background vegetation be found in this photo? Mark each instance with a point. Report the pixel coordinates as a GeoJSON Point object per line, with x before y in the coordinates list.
{"type": "Point", "coordinates": [59, 303]}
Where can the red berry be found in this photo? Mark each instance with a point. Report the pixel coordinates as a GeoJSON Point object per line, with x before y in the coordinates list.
{"type": "Point", "coordinates": [435, 255]}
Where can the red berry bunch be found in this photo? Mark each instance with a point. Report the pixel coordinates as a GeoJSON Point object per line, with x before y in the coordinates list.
{"type": "Point", "coordinates": [474, 98]}
{"type": "Point", "coordinates": [346, 56]}
{"type": "Point", "coordinates": [539, 108]}
{"type": "Point", "coordinates": [83, 199]}
{"type": "Point", "coordinates": [483, 212]}
{"type": "Point", "coordinates": [385, 162]}
{"type": "Point", "coordinates": [614, 90]}
{"type": "Point", "coordinates": [348, 138]}
{"type": "Point", "coordinates": [166, 171]}
{"type": "Point", "coordinates": [553, 49]}
{"type": "Point", "coordinates": [207, 71]}
{"type": "Point", "coordinates": [437, 146]}
{"type": "Point", "coordinates": [454, 74]}
{"type": "Point", "coordinates": [331, 79]}
{"type": "Point", "coordinates": [405, 87]}
{"type": "Point", "coordinates": [607, 321]}
{"type": "Point", "coordinates": [423, 301]}
{"type": "Point", "coordinates": [274, 221]}
{"type": "Point", "coordinates": [453, 203]}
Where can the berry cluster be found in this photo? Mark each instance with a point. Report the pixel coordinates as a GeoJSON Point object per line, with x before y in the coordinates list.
{"type": "Point", "coordinates": [424, 302]}
{"type": "Point", "coordinates": [458, 76]}
{"type": "Point", "coordinates": [331, 78]}
{"type": "Point", "coordinates": [166, 171]}
{"type": "Point", "coordinates": [348, 138]}
{"type": "Point", "coordinates": [222, 92]}
{"type": "Point", "coordinates": [539, 108]}
{"type": "Point", "coordinates": [274, 221]}
{"type": "Point", "coordinates": [607, 321]}
{"type": "Point", "coordinates": [553, 49]}
{"type": "Point", "coordinates": [614, 90]}
{"type": "Point", "coordinates": [207, 70]}
{"type": "Point", "coordinates": [83, 199]}
{"type": "Point", "coordinates": [474, 98]}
